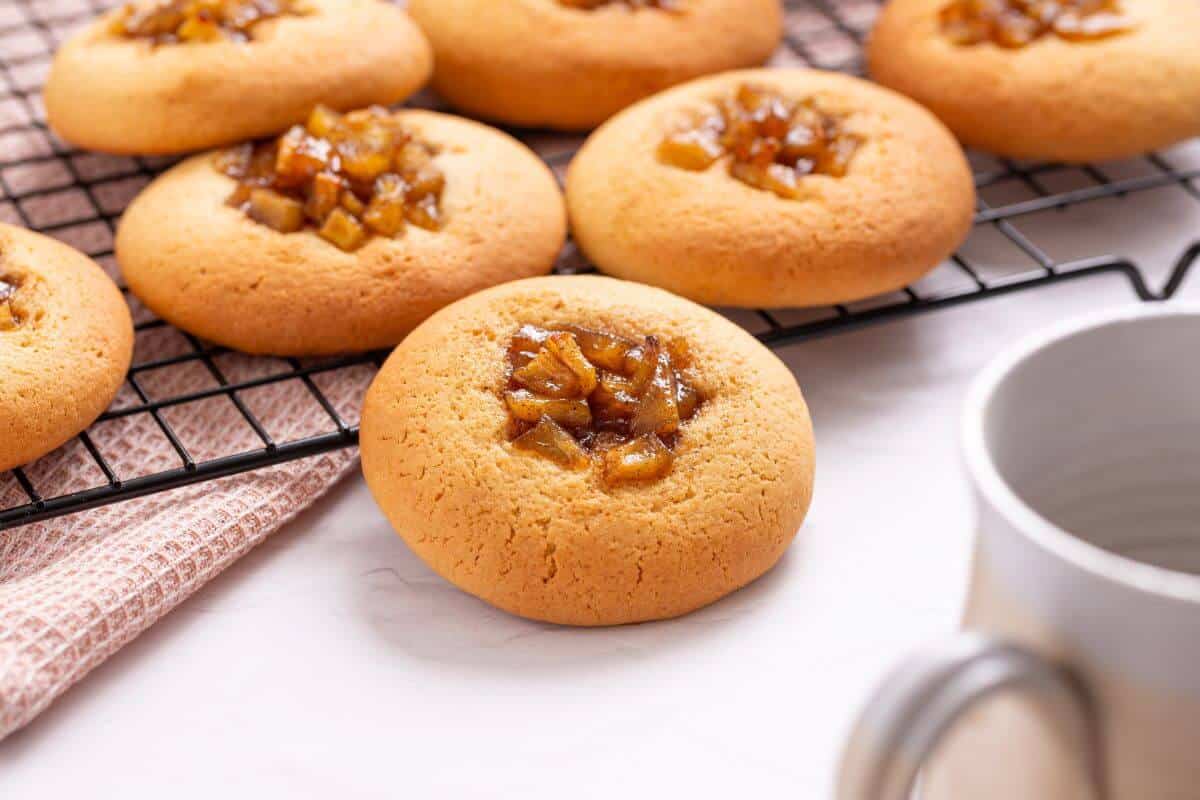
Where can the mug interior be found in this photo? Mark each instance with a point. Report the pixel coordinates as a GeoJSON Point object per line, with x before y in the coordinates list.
{"type": "Point", "coordinates": [1098, 432]}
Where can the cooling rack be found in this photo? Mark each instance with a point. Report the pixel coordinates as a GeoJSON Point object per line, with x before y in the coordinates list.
{"type": "Point", "coordinates": [76, 196]}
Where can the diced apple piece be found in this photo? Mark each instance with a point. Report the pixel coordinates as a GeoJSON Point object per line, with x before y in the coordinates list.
{"type": "Point", "coordinates": [529, 407]}
{"type": "Point", "coordinates": [411, 157]}
{"type": "Point", "coordinates": [658, 411]}
{"type": "Point", "coordinates": [425, 182]}
{"type": "Point", "coordinates": [835, 160]}
{"type": "Point", "coordinates": [566, 348]}
{"type": "Point", "coordinates": [751, 98]}
{"type": "Point", "coordinates": [324, 194]}
{"type": "Point", "coordinates": [525, 344]}
{"type": "Point", "coordinates": [640, 365]}
{"type": "Point", "coordinates": [343, 230]}
{"type": "Point", "coordinates": [776, 178]}
{"type": "Point", "coordinates": [300, 157]}
{"type": "Point", "coordinates": [200, 29]}
{"type": "Point", "coordinates": [547, 375]}
{"type": "Point", "coordinates": [276, 211]}
{"type": "Point", "coordinates": [385, 212]}
{"type": "Point", "coordinates": [692, 149]}
{"type": "Point", "coordinates": [367, 152]}
{"type": "Point", "coordinates": [645, 458]}
{"type": "Point", "coordinates": [424, 214]}
{"type": "Point", "coordinates": [323, 121]}
{"type": "Point", "coordinates": [603, 349]}
{"type": "Point", "coordinates": [611, 402]}
{"type": "Point", "coordinates": [551, 440]}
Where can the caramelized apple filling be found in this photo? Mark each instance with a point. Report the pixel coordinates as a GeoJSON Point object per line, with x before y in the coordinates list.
{"type": "Point", "coordinates": [174, 21]}
{"type": "Point", "coordinates": [1016, 23]}
{"type": "Point", "coordinates": [347, 176]}
{"type": "Point", "coordinates": [588, 5]}
{"type": "Point", "coordinates": [769, 141]}
{"type": "Point", "coordinates": [578, 396]}
{"type": "Point", "coordinates": [9, 317]}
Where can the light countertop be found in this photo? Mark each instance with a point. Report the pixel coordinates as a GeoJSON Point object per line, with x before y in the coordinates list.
{"type": "Point", "coordinates": [331, 663]}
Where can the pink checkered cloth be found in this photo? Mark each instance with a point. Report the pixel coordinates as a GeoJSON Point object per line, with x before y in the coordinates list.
{"type": "Point", "coordinates": [75, 589]}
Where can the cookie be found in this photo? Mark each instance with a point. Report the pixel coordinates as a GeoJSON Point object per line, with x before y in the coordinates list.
{"type": "Point", "coordinates": [151, 93]}
{"type": "Point", "coordinates": [769, 188]}
{"type": "Point", "coordinates": [66, 340]}
{"type": "Point", "coordinates": [1048, 91]}
{"type": "Point", "coordinates": [349, 258]}
{"type": "Point", "coordinates": [664, 512]}
{"type": "Point", "coordinates": [571, 64]}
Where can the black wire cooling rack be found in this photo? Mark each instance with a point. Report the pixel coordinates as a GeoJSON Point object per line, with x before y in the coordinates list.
{"type": "Point", "coordinates": [820, 34]}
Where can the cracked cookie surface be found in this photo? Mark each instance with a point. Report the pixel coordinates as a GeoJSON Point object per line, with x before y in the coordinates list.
{"type": "Point", "coordinates": [562, 545]}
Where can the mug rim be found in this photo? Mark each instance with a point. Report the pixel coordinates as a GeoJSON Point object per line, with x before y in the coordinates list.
{"type": "Point", "coordinates": [986, 476]}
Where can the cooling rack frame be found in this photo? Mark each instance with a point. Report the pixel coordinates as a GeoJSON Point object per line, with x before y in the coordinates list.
{"type": "Point", "coordinates": [820, 19]}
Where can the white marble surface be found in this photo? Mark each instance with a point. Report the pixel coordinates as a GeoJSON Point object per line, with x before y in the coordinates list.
{"type": "Point", "coordinates": [330, 663]}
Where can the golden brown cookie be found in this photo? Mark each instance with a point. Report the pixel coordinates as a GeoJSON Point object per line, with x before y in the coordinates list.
{"type": "Point", "coordinates": [66, 340]}
{"type": "Point", "coordinates": [723, 229]}
{"type": "Point", "coordinates": [560, 541]}
{"type": "Point", "coordinates": [208, 267]}
{"type": "Point", "coordinates": [551, 63]}
{"type": "Point", "coordinates": [1054, 98]}
{"type": "Point", "coordinates": [122, 94]}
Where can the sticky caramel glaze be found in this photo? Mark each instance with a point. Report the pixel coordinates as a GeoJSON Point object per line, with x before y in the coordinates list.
{"type": "Point", "coordinates": [576, 395]}
{"type": "Point", "coordinates": [1017, 23]}
{"type": "Point", "coordinates": [182, 21]}
{"type": "Point", "coordinates": [771, 141]}
{"type": "Point", "coordinates": [348, 176]}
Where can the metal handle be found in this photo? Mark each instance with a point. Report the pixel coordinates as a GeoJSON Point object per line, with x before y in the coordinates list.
{"type": "Point", "coordinates": [923, 697]}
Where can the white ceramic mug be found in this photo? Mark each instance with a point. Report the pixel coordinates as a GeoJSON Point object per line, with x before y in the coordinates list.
{"type": "Point", "coordinates": [1078, 674]}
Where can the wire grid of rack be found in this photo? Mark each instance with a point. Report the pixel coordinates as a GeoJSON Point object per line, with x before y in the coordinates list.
{"type": "Point", "coordinates": [820, 34]}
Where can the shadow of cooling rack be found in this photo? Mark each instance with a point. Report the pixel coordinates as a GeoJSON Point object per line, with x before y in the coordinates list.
{"type": "Point", "coordinates": [50, 187]}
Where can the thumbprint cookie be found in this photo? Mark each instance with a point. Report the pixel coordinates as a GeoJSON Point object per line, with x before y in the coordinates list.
{"type": "Point", "coordinates": [1060, 80]}
{"type": "Point", "coordinates": [172, 76]}
{"type": "Point", "coordinates": [588, 451]}
{"type": "Point", "coordinates": [771, 188]}
{"type": "Point", "coordinates": [571, 64]}
{"type": "Point", "coordinates": [342, 234]}
{"type": "Point", "coordinates": [66, 340]}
